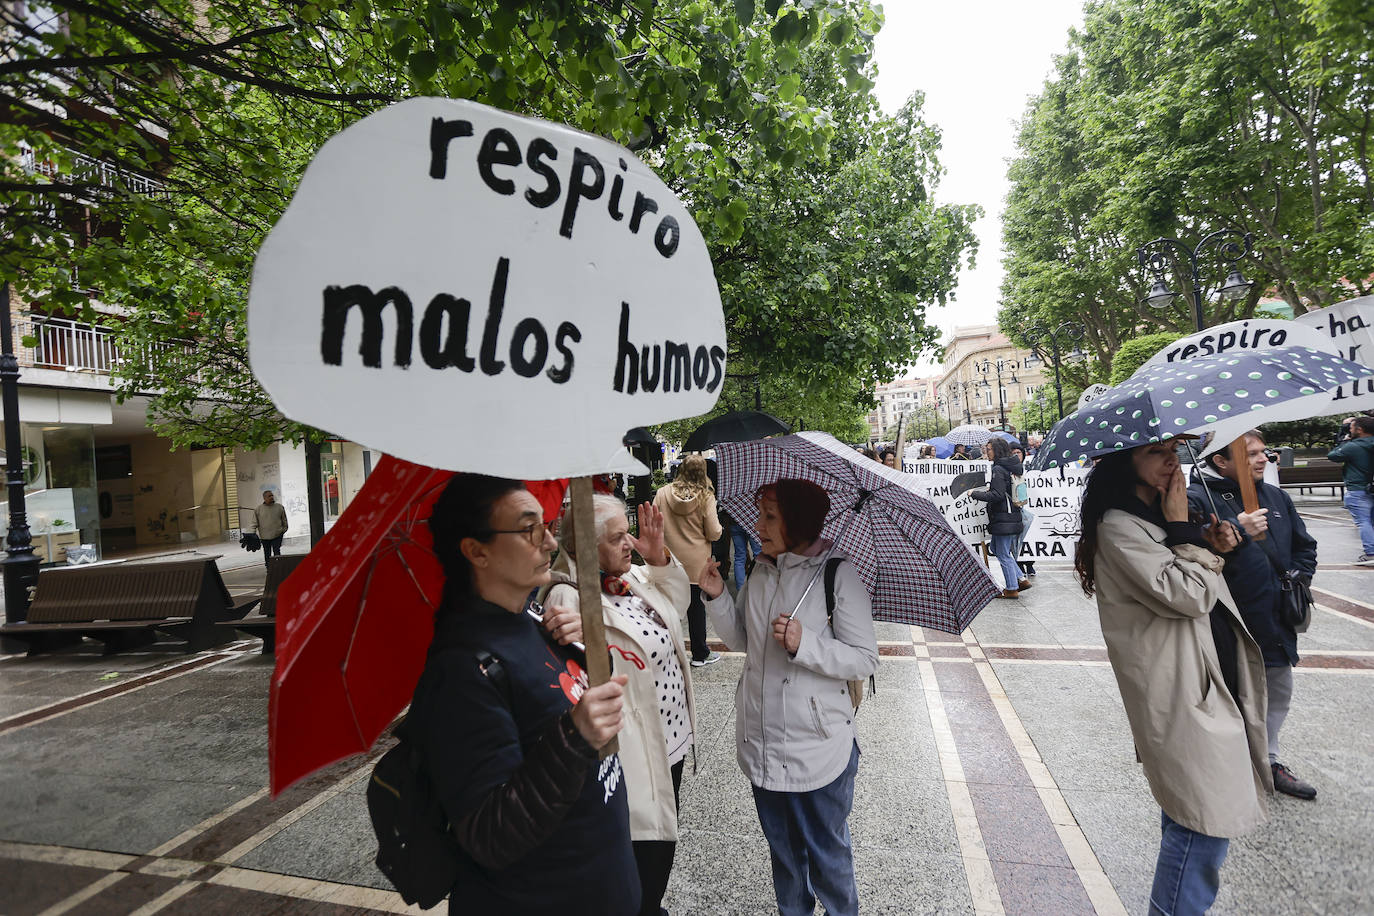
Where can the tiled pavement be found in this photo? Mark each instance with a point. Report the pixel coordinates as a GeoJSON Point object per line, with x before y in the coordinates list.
{"type": "Point", "coordinates": [998, 776]}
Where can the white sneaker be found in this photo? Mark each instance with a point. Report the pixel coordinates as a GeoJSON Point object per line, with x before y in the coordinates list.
{"type": "Point", "coordinates": [708, 660]}
{"type": "Point", "coordinates": [1364, 560]}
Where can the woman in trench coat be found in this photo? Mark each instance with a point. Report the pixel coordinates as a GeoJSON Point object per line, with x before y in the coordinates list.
{"type": "Point", "coordinates": [1191, 677]}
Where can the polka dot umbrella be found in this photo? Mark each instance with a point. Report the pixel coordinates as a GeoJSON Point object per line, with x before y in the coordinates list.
{"type": "Point", "coordinates": [1223, 395]}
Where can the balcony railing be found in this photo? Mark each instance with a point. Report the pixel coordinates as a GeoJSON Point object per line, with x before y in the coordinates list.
{"type": "Point", "coordinates": [60, 343]}
{"type": "Point", "coordinates": [88, 170]}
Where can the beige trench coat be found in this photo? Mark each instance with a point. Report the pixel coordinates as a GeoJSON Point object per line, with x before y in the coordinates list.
{"type": "Point", "coordinates": [643, 750]}
{"type": "Point", "coordinates": [1204, 754]}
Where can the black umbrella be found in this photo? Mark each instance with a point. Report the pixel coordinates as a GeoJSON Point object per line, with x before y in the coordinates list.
{"type": "Point", "coordinates": [639, 436]}
{"type": "Point", "coordinates": [735, 426]}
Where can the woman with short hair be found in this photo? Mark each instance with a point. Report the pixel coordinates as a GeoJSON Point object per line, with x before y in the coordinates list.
{"type": "Point", "coordinates": [640, 607]}
{"type": "Point", "coordinates": [795, 736]}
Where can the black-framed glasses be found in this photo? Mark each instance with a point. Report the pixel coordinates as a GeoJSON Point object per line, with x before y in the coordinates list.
{"type": "Point", "coordinates": [533, 532]}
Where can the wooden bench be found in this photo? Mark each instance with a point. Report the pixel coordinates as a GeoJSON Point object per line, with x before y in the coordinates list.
{"type": "Point", "coordinates": [127, 605]}
{"type": "Point", "coordinates": [1314, 475]}
{"type": "Point", "coordinates": [263, 624]}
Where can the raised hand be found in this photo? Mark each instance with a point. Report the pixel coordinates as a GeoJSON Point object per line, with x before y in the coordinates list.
{"type": "Point", "coordinates": [1175, 501]}
{"type": "Point", "coordinates": [1222, 537]}
{"type": "Point", "coordinates": [598, 715]}
{"type": "Point", "coordinates": [1255, 523]}
{"type": "Point", "coordinates": [709, 579]}
{"type": "Point", "coordinates": [649, 544]}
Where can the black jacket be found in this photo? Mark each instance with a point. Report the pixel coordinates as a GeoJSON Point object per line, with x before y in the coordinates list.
{"type": "Point", "coordinates": [545, 824]}
{"type": "Point", "coordinates": [1003, 517]}
{"type": "Point", "coordinates": [1251, 577]}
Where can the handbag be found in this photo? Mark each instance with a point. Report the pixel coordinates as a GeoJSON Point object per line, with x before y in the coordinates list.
{"type": "Point", "coordinates": [1295, 597]}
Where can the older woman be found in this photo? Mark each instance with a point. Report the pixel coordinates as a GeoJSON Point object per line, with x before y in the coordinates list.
{"type": "Point", "coordinates": [691, 526]}
{"type": "Point", "coordinates": [511, 749]}
{"type": "Point", "coordinates": [794, 723]}
{"type": "Point", "coordinates": [639, 605]}
{"type": "Point", "coordinates": [1190, 675]}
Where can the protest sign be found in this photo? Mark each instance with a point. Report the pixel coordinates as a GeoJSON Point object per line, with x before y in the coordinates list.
{"type": "Point", "coordinates": [1348, 327]}
{"type": "Point", "coordinates": [473, 290]}
{"type": "Point", "coordinates": [1250, 334]}
{"type": "Point", "coordinates": [1054, 499]}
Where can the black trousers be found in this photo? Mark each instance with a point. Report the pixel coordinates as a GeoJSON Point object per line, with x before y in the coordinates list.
{"type": "Point", "coordinates": [654, 859]}
{"type": "Point", "coordinates": [696, 625]}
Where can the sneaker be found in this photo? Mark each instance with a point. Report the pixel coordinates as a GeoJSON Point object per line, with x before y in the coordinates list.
{"type": "Point", "coordinates": [708, 660]}
{"type": "Point", "coordinates": [1364, 559]}
{"type": "Point", "coordinates": [1288, 784]}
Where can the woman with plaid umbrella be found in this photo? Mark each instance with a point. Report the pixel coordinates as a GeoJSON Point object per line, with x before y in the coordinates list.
{"type": "Point", "coordinates": [794, 723]}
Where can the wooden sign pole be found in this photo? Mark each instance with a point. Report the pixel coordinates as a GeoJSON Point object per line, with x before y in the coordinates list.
{"type": "Point", "coordinates": [1241, 459]}
{"type": "Point", "coordinates": [589, 590]}
{"type": "Point", "coordinates": [900, 447]}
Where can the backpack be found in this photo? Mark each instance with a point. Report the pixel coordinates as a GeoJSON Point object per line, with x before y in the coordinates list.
{"type": "Point", "coordinates": [856, 687]}
{"type": "Point", "coordinates": [416, 850]}
{"type": "Point", "coordinates": [1020, 491]}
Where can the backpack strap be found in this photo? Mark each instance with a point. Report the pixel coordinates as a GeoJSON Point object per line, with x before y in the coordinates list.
{"type": "Point", "coordinates": [831, 566]}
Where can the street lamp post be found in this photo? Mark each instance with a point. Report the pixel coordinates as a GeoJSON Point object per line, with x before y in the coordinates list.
{"type": "Point", "coordinates": [966, 387]}
{"type": "Point", "coordinates": [20, 564]}
{"type": "Point", "coordinates": [1037, 335]}
{"type": "Point", "coordinates": [997, 367]}
{"type": "Point", "coordinates": [1231, 245]}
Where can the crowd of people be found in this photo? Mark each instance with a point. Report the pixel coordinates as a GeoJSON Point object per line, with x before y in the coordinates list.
{"type": "Point", "coordinates": [1194, 597]}
{"type": "Point", "coordinates": [511, 734]}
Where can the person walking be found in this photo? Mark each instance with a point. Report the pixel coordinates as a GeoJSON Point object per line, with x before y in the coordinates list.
{"type": "Point", "coordinates": [641, 608]}
{"type": "Point", "coordinates": [1191, 677]}
{"type": "Point", "coordinates": [1027, 519]}
{"type": "Point", "coordinates": [1004, 519]}
{"type": "Point", "coordinates": [1254, 581]}
{"type": "Point", "coordinates": [1357, 456]}
{"type": "Point", "coordinates": [269, 521]}
{"type": "Point", "coordinates": [795, 737]}
{"type": "Point", "coordinates": [508, 730]}
{"type": "Point", "coordinates": [690, 527]}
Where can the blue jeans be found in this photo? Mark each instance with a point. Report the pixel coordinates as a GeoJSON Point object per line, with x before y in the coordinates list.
{"type": "Point", "coordinates": [808, 839]}
{"type": "Point", "coordinates": [1360, 505]}
{"type": "Point", "coordinates": [743, 540]}
{"type": "Point", "coordinates": [1001, 549]}
{"type": "Point", "coordinates": [1188, 873]}
{"type": "Point", "coordinates": [1027, 517]}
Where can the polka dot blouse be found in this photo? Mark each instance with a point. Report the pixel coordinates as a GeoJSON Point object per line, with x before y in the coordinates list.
{"type": "Point", "coordinates": [669, 683]}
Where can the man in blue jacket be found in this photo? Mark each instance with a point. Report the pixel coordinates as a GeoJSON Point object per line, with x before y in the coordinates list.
{"type": "Point", "coordinates": [1357, 454]}
{"type": "Point", "coordinates": [1253, 580]}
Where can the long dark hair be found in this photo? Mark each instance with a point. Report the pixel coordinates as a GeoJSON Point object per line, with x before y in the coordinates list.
{"type": "Point", "coordinates": [1109, 483]}
{"type": "Point", "coordinates": [1000, 448]}
{"type": "Point", "coordinates": [463, 510]}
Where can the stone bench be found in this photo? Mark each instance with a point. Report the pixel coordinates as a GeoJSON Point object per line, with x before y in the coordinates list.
{"type": "Point", "coordinates": [263, 624]}
{"type": "Point", "coordinates": [124, 606]}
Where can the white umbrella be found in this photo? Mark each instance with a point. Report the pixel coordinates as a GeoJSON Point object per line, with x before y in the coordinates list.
{"type": "Point", "coordinates": [969, 434]}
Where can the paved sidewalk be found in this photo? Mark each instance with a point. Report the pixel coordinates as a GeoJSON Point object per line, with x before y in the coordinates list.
{"type": "Point", "coordinates": [998, 776]}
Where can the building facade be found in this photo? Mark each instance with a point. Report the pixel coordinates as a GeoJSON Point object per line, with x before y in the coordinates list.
{"type": "Point", "coordinates": [985, 377]}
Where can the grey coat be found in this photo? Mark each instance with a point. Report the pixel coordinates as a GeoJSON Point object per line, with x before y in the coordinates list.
{"type": "Point", "coordinates": [270, 521]}
{"type": "Point", "coordinates": [794, 722]}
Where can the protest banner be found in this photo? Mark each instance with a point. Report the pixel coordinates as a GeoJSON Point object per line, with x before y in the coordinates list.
{"type": "Point", "coordinates": [1349, 328]}
{"type": "Point", "coordinates": [477, 291]}
{"type": "Point", "coordinates": [1249, 334]}
{"type": "Point", "coordinates": [1054, 499]}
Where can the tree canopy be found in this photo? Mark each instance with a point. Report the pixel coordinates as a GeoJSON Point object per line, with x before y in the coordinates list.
{"type": "Point", "coordinates": [147, 151]}
{"type": "Point", "coordinates": [1176, 119]}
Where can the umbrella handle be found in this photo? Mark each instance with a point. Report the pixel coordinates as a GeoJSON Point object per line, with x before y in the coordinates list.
{"type": "Point", "coordinates": [1202, 477]}
{"type": "Point", "coordinates": [833, 544]}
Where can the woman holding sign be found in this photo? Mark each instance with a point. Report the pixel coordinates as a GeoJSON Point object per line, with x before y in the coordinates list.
{"type": "Point", "coordinates": [640, 608]}
{"type": "Point", "coordinates": [508, 730]}
{"type": "Point", "coordinates": [794, 721]}
{"type": "Point", "coordinates": [1190, 675]}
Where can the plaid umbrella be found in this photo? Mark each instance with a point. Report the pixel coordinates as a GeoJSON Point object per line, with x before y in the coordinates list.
{"type": "Point", "coordinates": [916, 568]}
{"type": "Point", "coordinates": [1221, 395]}
{"type": "Point", "coordinates": [969, 434]}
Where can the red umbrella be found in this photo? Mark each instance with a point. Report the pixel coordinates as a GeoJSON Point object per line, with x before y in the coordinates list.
{"type": "Point", "coordinates": [355, 620]}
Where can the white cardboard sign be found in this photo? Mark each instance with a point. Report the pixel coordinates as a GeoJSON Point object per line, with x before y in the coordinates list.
{"type": "Point", "coordinates": [478, 291]}
{"type": "Point", "coordinates": [1348, 330]}
{"type": "Point", "coordinates": [1250, 334]}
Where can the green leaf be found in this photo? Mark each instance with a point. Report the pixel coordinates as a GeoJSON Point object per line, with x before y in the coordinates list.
{"type": "Point", "coordinates": [744, 11]}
